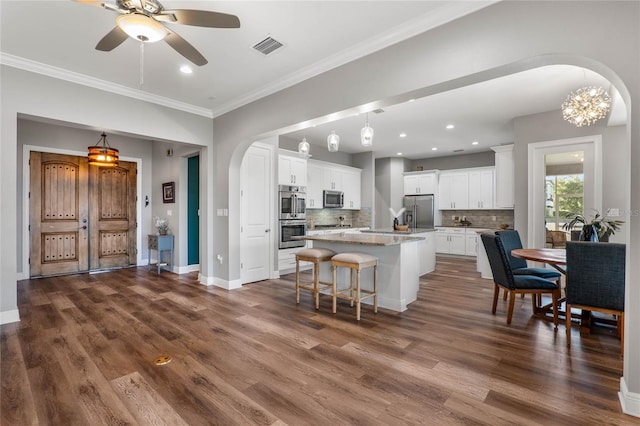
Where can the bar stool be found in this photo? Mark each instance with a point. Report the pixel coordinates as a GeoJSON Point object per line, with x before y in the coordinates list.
{"type": "Point", "coordinates": [355, 262]}
{"type": "Point", "coordinates": [315, 256]}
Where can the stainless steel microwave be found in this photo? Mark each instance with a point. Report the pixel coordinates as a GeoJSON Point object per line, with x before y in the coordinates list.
{"type": "Point", "coordinates": [333, 199]}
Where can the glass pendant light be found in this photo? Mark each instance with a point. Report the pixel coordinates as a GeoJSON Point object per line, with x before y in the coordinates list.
{"type": "Point", "coordinates": [333, 142]}
{"type": "Point", "coordinates": [366, 134]}
{"type": "Point", "coordinates": [303, 147]}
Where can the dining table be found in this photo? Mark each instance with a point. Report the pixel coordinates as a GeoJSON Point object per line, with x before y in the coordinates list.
{"type": "Point", "coordinates": [557, 259]}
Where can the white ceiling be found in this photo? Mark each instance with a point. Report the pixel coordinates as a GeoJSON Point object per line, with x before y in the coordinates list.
{"type": "Point", "coordinates": [58, 37]}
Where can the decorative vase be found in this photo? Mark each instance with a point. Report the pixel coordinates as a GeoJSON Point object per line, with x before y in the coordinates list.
{"type": "Point", "coordinates": [589, 233]}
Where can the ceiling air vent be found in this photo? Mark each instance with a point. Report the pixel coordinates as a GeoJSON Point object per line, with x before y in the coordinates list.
{"type": "Point", "coordinates": [378, 111]}
{"type": "Point", "coordinates": [458, 150]}
{"type": "Point", "coordinates": [267, 45]}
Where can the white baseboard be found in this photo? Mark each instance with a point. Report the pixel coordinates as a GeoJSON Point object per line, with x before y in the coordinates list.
{"type": "Point", "coordinates": [22, 276]}
{"type": "Point", "coordinates": [630, 401]}
{"type": "Point", "coordinates": [219, 282]}
{"type": "Point", "coordinates": [186, 269]}
{"type": "Point", "coordinates": [7, 317]}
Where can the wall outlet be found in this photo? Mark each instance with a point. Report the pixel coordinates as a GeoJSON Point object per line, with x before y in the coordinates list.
{"type": "Point", "coordinates": [493, 218]}
{"type": "Point", "coordinates": [613, 212]}
{"type": "Point", "coordinates": [169, 212]}
{"type": "Point", "coordinates": [219, 258]}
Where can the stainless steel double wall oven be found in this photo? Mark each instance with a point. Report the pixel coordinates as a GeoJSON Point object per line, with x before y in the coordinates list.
{"type": "Point", "coordinates": [292, 207]}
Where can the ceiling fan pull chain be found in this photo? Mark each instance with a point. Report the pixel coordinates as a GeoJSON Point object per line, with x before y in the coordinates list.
{"type": "Point", "coordinates": [141, 63]}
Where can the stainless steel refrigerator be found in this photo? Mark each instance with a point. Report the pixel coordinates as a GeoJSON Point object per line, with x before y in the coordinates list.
{"type": "Point", "coordinates": [419, 211]}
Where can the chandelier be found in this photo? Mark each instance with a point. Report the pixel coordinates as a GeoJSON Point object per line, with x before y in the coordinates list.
{"type": "Point", "coordinates": [366, 134]}
{"type": "Point", "coordinates": [102, 154]}
{"type": "Point", "coordinates": [586, 105]}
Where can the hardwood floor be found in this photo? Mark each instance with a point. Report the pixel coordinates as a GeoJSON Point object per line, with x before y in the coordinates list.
{"type": "Point", "coordinates": [83, 355]}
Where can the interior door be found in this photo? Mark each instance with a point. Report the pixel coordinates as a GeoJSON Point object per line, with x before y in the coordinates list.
{"type": "Point", "coordinates": [58, 214]}
{"type": "Point", "coordinates": [256, 243]}
{"type": "Point", "coordinates": [112, 215]}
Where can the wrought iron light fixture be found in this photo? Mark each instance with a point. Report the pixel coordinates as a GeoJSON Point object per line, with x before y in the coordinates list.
{"type": "Point", "coordinates": [586, 105]}
{"type": "Point", "coordinates": [333, 142]}
{"type": "Point", "coordinates": [102, 154]}
{"type": "Point", "coordinates": [303, 147]}
{"type": "Point", "coordinates": [366, 134]}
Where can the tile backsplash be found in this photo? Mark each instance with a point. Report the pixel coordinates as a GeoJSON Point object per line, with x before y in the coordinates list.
{"type": "Point", "coordinates": [356, 218]}
{"type": "Point", "coordinates": [478, 218]}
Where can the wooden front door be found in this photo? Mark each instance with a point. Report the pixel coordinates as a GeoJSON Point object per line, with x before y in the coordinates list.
{"type": "Point", "coordinates": [80, 217]}
{"type": "Point", "coordinates": [112, 212]}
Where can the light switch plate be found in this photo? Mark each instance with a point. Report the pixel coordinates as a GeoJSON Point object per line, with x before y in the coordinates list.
{"type": "Point", "coordinates": [614, 212]}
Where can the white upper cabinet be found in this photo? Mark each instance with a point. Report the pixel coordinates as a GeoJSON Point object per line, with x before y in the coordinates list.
{"type": "Point", "coordinates": [420, 183]}
{"type": "Point", "coordinates": [292, 170]}
{"type": "Point", "coordinates": [314, 185]}
{"type": "Point", "coordinates": [505, 174]}
{"type": "Point", "coordinates": [351, 184]}
{"type": "Point", "coordinates": [323, 176]}
{"type": "Point", "coordinates": [332, 179]}
{"type": "Point", "coordinates": [466, 189]}
{"type": "Point", "coordinates": [453, 190]}
{"type": "Point", "coordinates": [481, 188]}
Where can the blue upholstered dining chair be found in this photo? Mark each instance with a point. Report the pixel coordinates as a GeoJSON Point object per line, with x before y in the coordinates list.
{"type": "Point", "coordinates": [596, 281]}
{"type": "Point", "coordinates": [511, 241]}
{"type": "Point", "coordinates": [503, 277]}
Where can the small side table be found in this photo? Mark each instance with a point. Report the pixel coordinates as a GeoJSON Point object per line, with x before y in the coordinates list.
{"type": "Point", "coordinates": [161, 243]}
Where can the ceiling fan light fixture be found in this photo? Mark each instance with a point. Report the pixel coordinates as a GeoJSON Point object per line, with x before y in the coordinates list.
{"type": "Point", "coordinates": [102, 154]}
{"type": "Point", "coordinates": [142, 27]}
{"type": "Point", "coordinates": [586, 105]}
{"type": "Point", "coordinates": [366, 134]}
{"type": "Point", "coordinates": [333, 142]}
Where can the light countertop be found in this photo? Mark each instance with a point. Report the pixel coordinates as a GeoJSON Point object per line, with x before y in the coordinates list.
{"type": "Point", "coordinates": [364, 239]}
{"type": "Point", "coordinates": [394, 232]}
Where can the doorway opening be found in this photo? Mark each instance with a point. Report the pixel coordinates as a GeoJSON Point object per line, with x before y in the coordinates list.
{"type": "Point", "coordinates": [564, 193]}
{"type": "Point", "coordinates": [193, 210]}
{"type": "Point", "coordinates": [565, 177]}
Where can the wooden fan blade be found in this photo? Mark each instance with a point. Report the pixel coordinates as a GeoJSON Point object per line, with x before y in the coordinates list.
{"type": "Point", "coordinates": [113, 39]}
{"type": "Point", "coordinates": [183, 47]}
{"type": "Point", "coordinates": [204, 18]}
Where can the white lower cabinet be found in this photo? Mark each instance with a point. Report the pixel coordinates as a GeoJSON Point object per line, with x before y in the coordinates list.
{"type": "Point", "coordinates": [287, 260]}
{"type": "Point", "coordinates": [462, 241]}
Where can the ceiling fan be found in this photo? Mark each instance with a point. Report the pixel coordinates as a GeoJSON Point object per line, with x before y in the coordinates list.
{"type": "Point", "coordinates": [143, 20]}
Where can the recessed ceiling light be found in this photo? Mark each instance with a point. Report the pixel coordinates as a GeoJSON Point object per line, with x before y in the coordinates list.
{"type": "Point", "coordinates": [403, 135]}
{"type": "Point", "coordinates": [399, 153]}
{"type": "Point", "coordinates": [434, 149]}
{"type": "Point", "coordinates": [186, 69]}
{"type": "Point", "coordinates": [450, 126]}
{"type": "Point", "coordinates": [474, 143]}
{"type": "Point", "coordinates": [411, 100]}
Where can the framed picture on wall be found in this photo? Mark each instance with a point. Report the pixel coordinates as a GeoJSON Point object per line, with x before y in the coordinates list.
{"type": "Point", "coordinates": [169, 192]}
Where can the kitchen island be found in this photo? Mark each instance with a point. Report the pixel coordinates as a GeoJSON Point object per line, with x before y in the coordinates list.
{"type": "Point", "coordinates": [398, 264]}
{"type": "Point", "coordinates": [426, 247]}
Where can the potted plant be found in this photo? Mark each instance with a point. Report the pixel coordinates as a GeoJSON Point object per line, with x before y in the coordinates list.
{"type": "Point", "coordinates": [599, 228]}
{"type": "Point", "coordinates": [162, 226]}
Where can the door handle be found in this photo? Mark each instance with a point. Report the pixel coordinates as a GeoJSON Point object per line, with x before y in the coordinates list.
{"type": "Point", "coordinates": [267, 230]}
{"type": "Point", "coordinates": [83, 227]}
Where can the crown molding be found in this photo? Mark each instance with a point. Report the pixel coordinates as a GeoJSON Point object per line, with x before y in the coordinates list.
{"type": "Point", "coordinates": [95, 83]}
{"type": "Point", "coordinates": [449, 12]}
